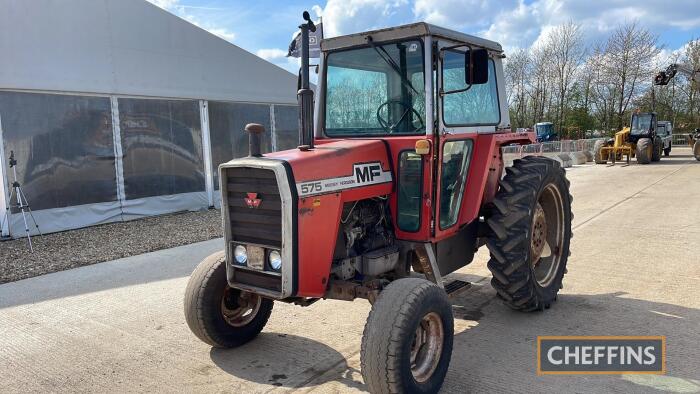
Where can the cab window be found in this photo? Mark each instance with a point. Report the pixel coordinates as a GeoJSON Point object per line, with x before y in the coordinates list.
{"type": "Point", "coordinates": [478, 105]}
{"type": "Point", "coordinates": [409, 190]}
{"type": "Point", "coordinates": [455, 164]}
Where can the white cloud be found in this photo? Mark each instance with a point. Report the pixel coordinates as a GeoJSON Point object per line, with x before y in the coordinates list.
{"type": "Point", "coordinates": [279, 57]}
{"type": "Point", "coordinates": [174, 7]}
{"type": "Point", "coordinates": [352, 16]}
{"type": "Point", "coordinates": [460, 14]}
{"type": "Point", "coordinates": [271, 53]}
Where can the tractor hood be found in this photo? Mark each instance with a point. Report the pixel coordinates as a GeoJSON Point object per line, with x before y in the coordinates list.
{"type": "Point", "coordinates": [339, 166]}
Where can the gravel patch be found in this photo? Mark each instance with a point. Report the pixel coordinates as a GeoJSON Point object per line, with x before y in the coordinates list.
{"type": "Point", "coordinates": [76, 248]}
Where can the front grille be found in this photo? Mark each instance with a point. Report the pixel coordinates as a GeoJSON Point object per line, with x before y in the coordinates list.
{"type": "Point", "coordinates": [258, 279]}
{"type": "Point", "coordinates": [261, 225]}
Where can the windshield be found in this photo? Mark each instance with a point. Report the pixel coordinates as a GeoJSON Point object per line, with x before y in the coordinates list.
{"type": "Point", "coordinates": [544, 129]}
{"type": "Point", "coordinates": [661, 129]}
{"type": "Point", "coordinates": [376, 90]}
{"type": "Point", "coordinates": [641, 123]}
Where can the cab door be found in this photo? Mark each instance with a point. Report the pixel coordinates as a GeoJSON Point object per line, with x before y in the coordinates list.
{"type": "Point", "coordinates": [468, 113]}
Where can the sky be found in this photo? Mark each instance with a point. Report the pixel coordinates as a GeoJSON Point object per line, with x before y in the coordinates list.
{"type": "Point", "coordinates": [265, 27]}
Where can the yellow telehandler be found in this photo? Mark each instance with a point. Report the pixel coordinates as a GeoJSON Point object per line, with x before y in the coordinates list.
{"type": "Point", "coordinates": [639, 140]}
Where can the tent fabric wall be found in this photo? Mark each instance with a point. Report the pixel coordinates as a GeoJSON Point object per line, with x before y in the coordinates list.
{"type": "Point", "coordinates": [71, 153]}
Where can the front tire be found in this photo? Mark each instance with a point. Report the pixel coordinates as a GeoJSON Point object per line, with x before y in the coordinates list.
{"type": "Point", "coordinates": [219, 315]}
{"type": "Point", "coordinates": [696, 150]}
{"type": "Point", "coordinates": [530, 233]}
{"type": "Point", "coordinates": [598, 156]}
{"type": "Point", "coordinates": [644, 151]}
{"type": "Point", "coordinates": [407, 341]}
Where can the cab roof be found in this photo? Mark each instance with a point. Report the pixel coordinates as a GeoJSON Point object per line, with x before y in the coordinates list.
{"type": "Point", "coordinates": [407, 31]}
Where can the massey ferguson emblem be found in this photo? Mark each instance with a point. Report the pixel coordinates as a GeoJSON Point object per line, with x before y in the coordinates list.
{"type": "Point", "coordinates": [362, 175]}
{"type": "Point", "coordinates": [252, 201]}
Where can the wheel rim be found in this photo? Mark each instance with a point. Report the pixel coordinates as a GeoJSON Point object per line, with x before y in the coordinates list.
{"type": "Point", "coordinates": [546, 241]}
{"type": "Point", "coordinates": [426, 348]}
{"type": "Point", "coordinates": [239, 307]}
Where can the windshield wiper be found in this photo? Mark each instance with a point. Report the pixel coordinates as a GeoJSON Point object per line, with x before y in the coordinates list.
{"type": "Point", "coordinates": [390, 61]}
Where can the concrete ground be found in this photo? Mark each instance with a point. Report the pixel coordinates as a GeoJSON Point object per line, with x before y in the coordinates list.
{"type": "Point", "coordinates": [634, 270]}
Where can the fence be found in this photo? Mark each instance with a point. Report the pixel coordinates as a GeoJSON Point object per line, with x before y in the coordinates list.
{"type": "Point", "coordinates": [554, 147]}
{"type": "Point", "coordinates": [680, 139]}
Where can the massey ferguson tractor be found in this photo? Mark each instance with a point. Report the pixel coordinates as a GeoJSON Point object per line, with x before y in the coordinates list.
{"type": "Point", "coordinates": [398, 180]}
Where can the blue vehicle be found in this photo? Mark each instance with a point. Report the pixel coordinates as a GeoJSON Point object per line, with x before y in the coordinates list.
{"type": "Point", "coordinates": [545, 132]}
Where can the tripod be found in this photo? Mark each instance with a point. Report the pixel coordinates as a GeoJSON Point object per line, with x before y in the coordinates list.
{"type": "Point", "coordinates": [22, 204]}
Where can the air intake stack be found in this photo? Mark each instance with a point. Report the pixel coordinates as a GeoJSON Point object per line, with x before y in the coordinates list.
{"type": "Point", "coordinates": [305, 95]}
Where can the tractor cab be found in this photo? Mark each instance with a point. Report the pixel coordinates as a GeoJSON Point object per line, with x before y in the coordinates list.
{"type": "Point", "coordinates": [642, 125]}
{"type": "Point", "coordinates": [545, 132]}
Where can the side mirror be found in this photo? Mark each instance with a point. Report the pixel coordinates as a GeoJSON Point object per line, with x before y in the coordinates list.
{"type": "Point", "coordinates": [476, 66]}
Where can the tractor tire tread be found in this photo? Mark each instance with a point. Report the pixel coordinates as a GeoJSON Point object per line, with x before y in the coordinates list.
{"type": "Point", "coordinates": [509, 262]}
{"type": "Point", "coordinates": [202, 313]}
{"type": "Point", "coordinates": [390, 319]}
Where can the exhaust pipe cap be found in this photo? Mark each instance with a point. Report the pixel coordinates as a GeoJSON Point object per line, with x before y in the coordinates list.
{"type": "Point", "coordinates": [255, 131]}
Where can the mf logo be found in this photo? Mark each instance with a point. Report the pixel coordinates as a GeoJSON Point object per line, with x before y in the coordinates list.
{"type": "Point", "coordinates": [367, 172]}
{"type": "Point", "coordinates": [252, 200]}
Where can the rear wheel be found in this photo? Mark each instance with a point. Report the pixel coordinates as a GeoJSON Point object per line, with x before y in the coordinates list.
{"type": "Point", "coordinates": [531, 228]}
{"type": "Point", "coordinates": [598, 156]}
{"type": "Point", "coordinates": [219, 315]}
{"type": "Point", "coordinates": [407, 341]}
{"type": "Point", "coordinates": [644, 151]}
{"type": "Point", "coordinates": [658, 148]}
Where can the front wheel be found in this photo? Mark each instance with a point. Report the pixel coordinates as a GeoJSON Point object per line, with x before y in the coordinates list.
{"type": "Point", "coordinates": [219, 315]}
{"type": "Point", "coordinates": [598, 156]}
{"type": "Point", "coordinates": [645, 150]}
{"type": "Point", "coordinates": [530, 233]}
{"type": "Point", "coordinates": [696, 150]}
{"type": "Point", "coordinates": [407, 341]}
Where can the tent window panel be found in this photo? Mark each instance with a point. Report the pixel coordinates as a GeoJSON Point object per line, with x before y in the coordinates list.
{"type": "Point", "coordinates": [227, 131]}
{"type": "Point", "coordinates": [63, 145]}
{"type": "Point", "coordinates": [162, 145]}
{"type": "Point", "coordinates": [287, 126]}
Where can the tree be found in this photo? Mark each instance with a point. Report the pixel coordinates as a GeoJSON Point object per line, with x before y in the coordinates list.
{"type": "Point", "coordinates": [628, 65]}
{"type": "Point", "coordinates": [566, 48]}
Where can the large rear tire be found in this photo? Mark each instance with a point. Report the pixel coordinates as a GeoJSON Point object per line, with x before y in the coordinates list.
{"type": "Point", "coordinates": [598, 156]}
{"type": "Point", "coordinates": [644, 151]}
{"type": "Point", "coordinates": [530, 233]}
{"type": "Point", "coordinates": [407, 341]}
{"type": "Point", "coordinates": [219, 315]}
{"type": "Point", "coordinates": [658, 149]}
{"type": "Point", "coordinates": [696, 150]}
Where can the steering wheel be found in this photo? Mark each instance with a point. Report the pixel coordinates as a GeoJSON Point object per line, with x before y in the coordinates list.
{"type": "Point", "coordinates": [408, 109]}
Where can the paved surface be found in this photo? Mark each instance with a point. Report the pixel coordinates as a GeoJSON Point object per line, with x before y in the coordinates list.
{"type": "Point", "coordinates": [635, 270]}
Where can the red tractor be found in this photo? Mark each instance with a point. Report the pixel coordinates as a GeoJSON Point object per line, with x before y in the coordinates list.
{"type": "Point", "coordinates": [397, 182]}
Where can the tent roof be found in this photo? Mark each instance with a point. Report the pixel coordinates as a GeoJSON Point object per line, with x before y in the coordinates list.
{"type": "Point", "coordinates": [128, 47]}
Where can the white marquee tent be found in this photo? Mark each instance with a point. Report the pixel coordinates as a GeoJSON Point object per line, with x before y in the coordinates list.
{"type": "Point", "coordinates": [117, 109]}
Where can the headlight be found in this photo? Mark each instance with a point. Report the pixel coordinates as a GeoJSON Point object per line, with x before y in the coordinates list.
{"type": "Point", "coordinates": [240, 254]}
{"type": "Point", "coordinates": [275, 260]}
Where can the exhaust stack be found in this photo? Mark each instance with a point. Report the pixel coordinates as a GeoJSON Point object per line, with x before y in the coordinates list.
{"type": "Point", "coordinates": [255, 132]}
{"type": "Point", "coordinates": [305, 96]}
